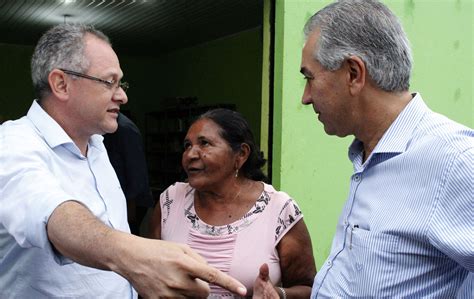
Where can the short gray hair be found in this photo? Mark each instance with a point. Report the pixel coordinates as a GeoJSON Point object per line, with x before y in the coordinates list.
{"type": "Point", "coordinates": [366, 29]}
{"type": "Point", "coordinates": [62, 46]}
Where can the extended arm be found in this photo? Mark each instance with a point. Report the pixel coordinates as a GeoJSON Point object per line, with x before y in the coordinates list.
{"type": "Point", "coordinates": [155, 268]}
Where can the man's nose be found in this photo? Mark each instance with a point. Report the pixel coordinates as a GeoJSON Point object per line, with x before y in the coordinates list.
{"type": "Point", "coordinates": [120, 96]}
{"type": "Point", "coordinates": [306, 98]}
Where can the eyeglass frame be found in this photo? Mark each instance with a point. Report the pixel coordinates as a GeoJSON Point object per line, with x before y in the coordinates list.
{"type": "Point", "coordinates": [109, 84]}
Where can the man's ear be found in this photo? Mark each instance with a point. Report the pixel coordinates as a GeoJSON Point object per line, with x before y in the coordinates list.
{"type": "Point", "coordinates": [356, 74]}
{"type": "Point", "coordinates": [58, 83]}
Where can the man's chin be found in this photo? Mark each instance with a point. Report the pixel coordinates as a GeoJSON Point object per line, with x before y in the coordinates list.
{"type": "Point", "coordinates": [332, 132]}
{"type": "Point", "coordinates": [110, 129]}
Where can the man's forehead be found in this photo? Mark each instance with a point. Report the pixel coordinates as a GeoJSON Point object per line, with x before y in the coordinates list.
{"type": "Point", "coordinates": [312, 38]}
{"type": "Point", "coordinates": [308, 50]}
{"type": "Point", "coordinates": [100, 54]}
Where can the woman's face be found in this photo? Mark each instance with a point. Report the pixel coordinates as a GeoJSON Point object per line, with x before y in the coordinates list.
{"type": "Point", "coordinates": [207, 159]}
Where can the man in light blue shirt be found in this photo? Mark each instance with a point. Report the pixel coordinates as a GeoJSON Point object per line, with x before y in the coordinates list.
{"type": "Point", "coordinates": [55, 171]}
{"type": "Point", "coordinates": [63, 222]}
{"type": "Point", "coordinates": [407, 228]}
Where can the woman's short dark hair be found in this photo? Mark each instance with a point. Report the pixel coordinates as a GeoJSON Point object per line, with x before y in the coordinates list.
{"type": "Point", "coordinates": [236, 131]}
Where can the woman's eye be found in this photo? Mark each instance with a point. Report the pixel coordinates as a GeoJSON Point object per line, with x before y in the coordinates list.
{"type": "Point", "coordinates": [186, 145]}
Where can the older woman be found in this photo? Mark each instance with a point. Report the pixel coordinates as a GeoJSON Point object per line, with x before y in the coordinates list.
{"type": "Point", "coordinates": [231, 217]}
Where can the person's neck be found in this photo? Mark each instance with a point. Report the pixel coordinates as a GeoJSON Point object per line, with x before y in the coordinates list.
{"type": "Point", "coordinates": [66, 123]}
{"type": "Point", "coordinates": [228, 193]}
{"type": "Point", "coordinates": [379, 111]}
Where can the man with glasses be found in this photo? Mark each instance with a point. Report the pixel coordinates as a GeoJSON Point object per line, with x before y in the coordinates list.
{"type": "Point", "coordinates": [63, 222]}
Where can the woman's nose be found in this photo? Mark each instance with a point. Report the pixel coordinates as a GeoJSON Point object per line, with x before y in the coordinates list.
{"type": "Point", "coordinates": [192, 152]}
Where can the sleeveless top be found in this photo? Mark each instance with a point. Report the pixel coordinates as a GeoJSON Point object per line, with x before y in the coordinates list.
{"type": "Point", "coordinates": [238, 248]}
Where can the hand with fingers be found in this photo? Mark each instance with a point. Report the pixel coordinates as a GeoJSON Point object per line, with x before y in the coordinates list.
{"type": "Point", "coordinates": [167, 269]}
{"type": "Point", "coordinates": [263, 287]}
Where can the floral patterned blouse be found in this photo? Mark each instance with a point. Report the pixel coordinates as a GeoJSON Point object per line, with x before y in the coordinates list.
{"type": "Point", "coordinates": [239, 248]}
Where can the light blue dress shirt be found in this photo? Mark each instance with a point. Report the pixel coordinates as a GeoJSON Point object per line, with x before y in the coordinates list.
{"type": "Point", "coordinates": [407, 228]}
{"type": "Point", "coordinates": [41, 167]}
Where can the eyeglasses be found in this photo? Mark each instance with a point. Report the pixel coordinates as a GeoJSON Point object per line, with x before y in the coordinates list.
{"type": "Point", "coordinates": [110, 84]}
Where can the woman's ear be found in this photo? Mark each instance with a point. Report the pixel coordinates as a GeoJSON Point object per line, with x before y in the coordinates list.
{"type": "Point", "coordinates": [356, 74]}
{"type": "Point", "coordinates": [58, 83]}
{"type": "Point", "coordinates": [242, 155]}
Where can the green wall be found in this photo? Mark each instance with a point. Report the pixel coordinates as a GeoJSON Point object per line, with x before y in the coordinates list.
{"type": "Point", "coordinates": [313, 167]}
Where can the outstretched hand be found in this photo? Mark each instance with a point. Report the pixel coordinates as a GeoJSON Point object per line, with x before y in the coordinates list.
{"type": "Point", "coordinates": [155, 268]}
{"type": "Point", "coordinates": [263, 287]}
{"type": "Point", "coordinates": [166, 269]}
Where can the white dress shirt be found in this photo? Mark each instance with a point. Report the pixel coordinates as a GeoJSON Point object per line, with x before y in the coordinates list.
{"type": "Point", "coordinates": [41, 167]}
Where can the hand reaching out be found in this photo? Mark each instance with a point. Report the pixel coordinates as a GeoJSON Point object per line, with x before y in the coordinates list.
{"type": "Point", "coordinates": [168, 269]}
{"type": "Point", "coordinates": [155, 268]}
{"type": "Point", "coordinates": [263, 287]}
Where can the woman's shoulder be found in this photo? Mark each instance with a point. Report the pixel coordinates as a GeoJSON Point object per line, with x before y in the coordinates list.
{"type": "Point", "coordinates": [282, 202]}
{"type": "Point", "coordinates": [177, 190]}
{"type": "Point", "coordinates": [178, 187]}
{"type": "Point", "coordinates": [283, 211]}
{"type": "Point", "coordinates": [174, 199]}
{"type": "Point", "coordinates": [276, 196]}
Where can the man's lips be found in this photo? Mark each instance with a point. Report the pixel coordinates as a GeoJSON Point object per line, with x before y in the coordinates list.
{"type": "Point", "coordinates": [114, 110]}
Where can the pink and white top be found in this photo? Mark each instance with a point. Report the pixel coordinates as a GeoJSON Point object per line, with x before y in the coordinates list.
{"type": "Point", "coordinates": [239, 248]}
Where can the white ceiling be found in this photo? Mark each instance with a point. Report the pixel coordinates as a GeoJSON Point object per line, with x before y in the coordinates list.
{"type": "Point", "coordinates": [147, 27]}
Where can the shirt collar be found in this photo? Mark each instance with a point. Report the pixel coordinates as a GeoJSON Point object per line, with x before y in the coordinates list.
{"type": "Point", "coordinates": [399, 134]}
{"type": "Point", "coordinates": [52, 132]}
{"type": "Point", "coordinates": [96, 142]}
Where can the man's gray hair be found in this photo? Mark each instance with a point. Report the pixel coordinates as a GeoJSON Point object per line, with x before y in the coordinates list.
{"type": "Point", "coordinates": [366, 29]}
{"type": "Point", "coordinates": [62, 46]}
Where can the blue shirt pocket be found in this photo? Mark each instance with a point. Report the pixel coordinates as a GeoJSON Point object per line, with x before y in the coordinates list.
{"type": "Point", "coordinates": [373, 258]}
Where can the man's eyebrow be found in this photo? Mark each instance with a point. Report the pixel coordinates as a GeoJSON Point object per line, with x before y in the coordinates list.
{"type": "Point", "coordinates": [305, 72]}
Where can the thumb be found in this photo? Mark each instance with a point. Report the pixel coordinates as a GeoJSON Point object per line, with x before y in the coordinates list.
{"type": "Point", "coordinates": [264, 272]}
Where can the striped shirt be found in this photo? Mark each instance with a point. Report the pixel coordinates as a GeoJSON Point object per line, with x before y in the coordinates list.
{"type": "Point", "coordinates": [407, 228]}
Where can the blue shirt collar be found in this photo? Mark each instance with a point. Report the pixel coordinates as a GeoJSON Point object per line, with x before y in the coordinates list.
{"type": "Point", "coordinates": [398, 135]}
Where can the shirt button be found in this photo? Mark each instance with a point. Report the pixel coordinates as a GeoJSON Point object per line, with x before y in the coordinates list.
{"type": "Point", "coordinates": [329, 263]}
{"type": "Point", "coordinates": [357, 177]}
{"type": "Point", "coordinates": [346, 223]}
